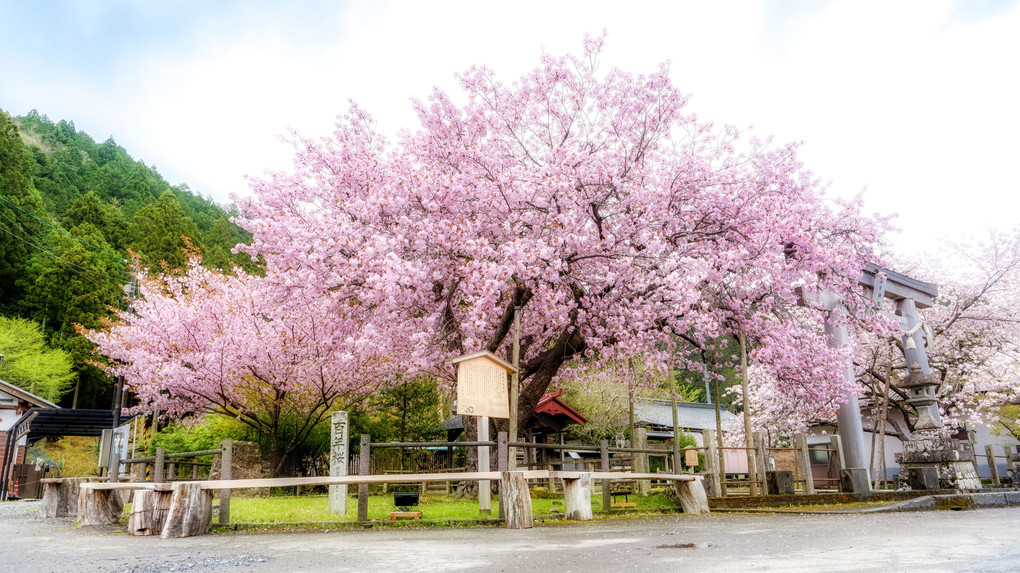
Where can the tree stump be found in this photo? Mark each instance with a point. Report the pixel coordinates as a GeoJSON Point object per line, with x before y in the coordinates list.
{"type": "Point", "coordinates": [190, 511]}
{"type": "Point", "coordinates": [517, 500]}
{"type": "Point", "coordinates": [692, 496]}
{"type": "Point", "coordinates": [577, 498]}
{"type": "Point", "coordinates": [60, 498]}
{"type": "Point", "coordinates": [149, 512]}
{"type": "Point", "coordinates": [99, 506]}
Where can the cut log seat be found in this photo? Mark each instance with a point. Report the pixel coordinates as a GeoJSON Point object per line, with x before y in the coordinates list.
{"type": "Point", "coordinates": [149, 512]}
{"type": "Point", "coordinates": [60, 498]}
{"type": "Point", "coordinates": [99, 506]}
{"type": "Point", "coordinates": [190, 511]}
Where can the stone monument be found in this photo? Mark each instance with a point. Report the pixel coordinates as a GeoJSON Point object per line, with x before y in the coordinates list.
{"type": "Point", "coordinates": [338, 449]}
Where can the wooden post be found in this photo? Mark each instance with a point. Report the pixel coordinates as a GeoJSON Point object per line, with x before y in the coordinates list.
{"type": "Point", "coordinates": [515, 387]}
{"type": "Point", "coordinates": [990, 454]}
{"type": "Point", "coordinates": [226, 472]}
{"type": "Point", "coordinates": [692, 496]}
{"type": "Point", "coordinates": [577, 498]}
{"type": "Point", "coordinates": [114, 471]}
{"type": "Point", "coordinates": [752, 474]}
{"type": "Point", "coordinates": [149, 512]}
{"type": "Point", "coordinates": [502, 463]}
{"type": "Point", "coordinates": [804, 462]}
{"type": "Point", "coordinates": [1009, 462]}
{"type": "Point", "coordinates": [607, 491]}
{"type": "Point", "coordinates": [99, 506]}
{"type": "Point", "coordinates": [364, 461]}
{"type": "Point", "coordinates": [676, 433]}
{"type": "Point", "coordinates": [158, 474]}
{"type": "Point", "coordinates": [640, 464]}
{"type": "Point", "coordinates": [484, 488]}
{"type": "Point", "coordinates": [518, 501]}
{"type": "Point", "coordinates": [761, 460]}
{"type": "Point", "coordinates": [171, 471]}
{"type": "Point", "coordinates": [190, 511]}
{"type": "Point", "coordinates": [712, 470]}
{"type": "Point", "coordinates": [836, 443]}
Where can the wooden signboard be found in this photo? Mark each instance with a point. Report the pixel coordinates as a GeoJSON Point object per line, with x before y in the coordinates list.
{"type": "Point", "coordinates": [482, 385]}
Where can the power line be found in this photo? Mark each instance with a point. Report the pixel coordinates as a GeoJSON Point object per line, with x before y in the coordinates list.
{"type": "Point", "coordinates": [48, 224]}
{"type": "Point", "coordinates": [59, 258]}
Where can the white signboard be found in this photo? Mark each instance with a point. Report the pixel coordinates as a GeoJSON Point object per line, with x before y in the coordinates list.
{"type": "Point", "coordinates": [482, 388]}
{"type": "Point", "coordinates": [338, 446]}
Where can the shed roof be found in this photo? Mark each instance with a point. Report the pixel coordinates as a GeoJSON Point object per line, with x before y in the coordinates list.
{"type": "Point", "coordinates": [690, 415]}
{"type": "Point", "coordinates": [22, 394]}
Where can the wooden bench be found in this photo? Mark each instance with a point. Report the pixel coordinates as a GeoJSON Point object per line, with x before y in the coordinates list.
{"type": "Point", "coordinates": [183, 509]}
{"type": "Point", "coordinates": [394, 515]}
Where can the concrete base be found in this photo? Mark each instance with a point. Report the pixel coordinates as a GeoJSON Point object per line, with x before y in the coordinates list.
{"type": "Point", "coordinates": [854, 480]}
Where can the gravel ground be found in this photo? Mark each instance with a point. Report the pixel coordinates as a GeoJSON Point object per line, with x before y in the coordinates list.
{"type": "Point", "coordinates": [977, 540]}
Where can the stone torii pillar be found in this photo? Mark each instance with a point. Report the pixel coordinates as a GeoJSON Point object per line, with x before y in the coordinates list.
{"type": "Point", "coordinates": [909, 295]}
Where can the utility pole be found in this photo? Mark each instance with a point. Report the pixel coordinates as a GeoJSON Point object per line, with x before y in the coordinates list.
{"type": "Point", "coordinates": [118, 393]}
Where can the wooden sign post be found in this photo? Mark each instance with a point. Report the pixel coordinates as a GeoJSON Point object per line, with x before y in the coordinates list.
{"type": "Point", "coordinates": [482, 390]}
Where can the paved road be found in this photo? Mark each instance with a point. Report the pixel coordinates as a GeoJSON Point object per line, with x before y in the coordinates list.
{"type": "Point", "coordinates": [978, 540]}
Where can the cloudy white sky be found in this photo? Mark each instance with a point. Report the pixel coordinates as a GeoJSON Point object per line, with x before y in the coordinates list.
{"type": "Point", "coordinates": [913, 103]}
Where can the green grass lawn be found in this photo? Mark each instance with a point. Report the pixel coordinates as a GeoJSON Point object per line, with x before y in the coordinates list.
{"type": "Point", "coordinates": [314, 508]}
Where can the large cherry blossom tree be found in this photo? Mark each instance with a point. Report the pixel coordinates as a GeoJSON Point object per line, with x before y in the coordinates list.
{"type": "Point", "coordinates": [615, 218]}
{"type": "Point", "coordinates": [623, 226]}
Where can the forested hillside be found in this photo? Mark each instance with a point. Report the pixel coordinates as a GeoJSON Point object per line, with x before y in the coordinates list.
{"type": "Point", "coordinates": [72, 212]}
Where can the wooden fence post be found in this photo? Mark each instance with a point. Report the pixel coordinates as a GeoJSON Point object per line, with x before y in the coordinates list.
{"type": "Point", "coordinates": [713, 487]}
{"type": "Point", "coordinates": [364, 461]}
{"type": "Point", "coordinates": [226, 473]}
{"type": "Point", "coordinates": [607, 491]}
{"type": "Point", "coordinates": [804, 463]}
{"type": "Point", "coordinates": [837, 445]}
{"type": "Point", "coordinates": [761, 461]}
{"type": "Point", "coordinates": [990, 454]}
{"type": "Point", "coordinates": [502, 463]}
{"type": "Point", "coordinates": [158, 473]}
{"type": "Point", "coordinates": [1009, 463]}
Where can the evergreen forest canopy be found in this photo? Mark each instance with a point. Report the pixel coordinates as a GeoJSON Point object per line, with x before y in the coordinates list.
{"type": "Point", "coordinates": [72, 213]}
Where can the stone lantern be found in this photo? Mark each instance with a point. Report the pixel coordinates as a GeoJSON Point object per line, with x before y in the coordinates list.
{"type": "Point", "coordinates": [931, 458]}
{"type": "Point", "coordinates": [922, 387]}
